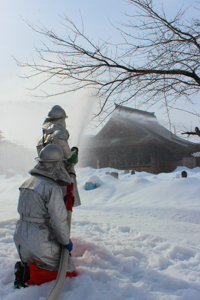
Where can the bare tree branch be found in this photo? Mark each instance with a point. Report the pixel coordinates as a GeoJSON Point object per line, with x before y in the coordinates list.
{"type": "Point", "coordinates": [157, 60]}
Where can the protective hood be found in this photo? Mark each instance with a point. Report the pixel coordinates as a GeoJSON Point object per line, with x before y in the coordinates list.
{"type": "Point", "coordinates": [51, 126]}
{"type": "Point", "coordinates": [54, 170]}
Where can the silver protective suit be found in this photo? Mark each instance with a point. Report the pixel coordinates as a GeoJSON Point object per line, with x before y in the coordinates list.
{"type": "Point", "coordinates": [55, 132]}
{"type": "Point", "coordinates": [43, 226]}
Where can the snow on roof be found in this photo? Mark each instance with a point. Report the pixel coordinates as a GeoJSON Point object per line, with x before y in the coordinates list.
{"type": "Point", "coordinates": [130, 126]}
{"type": "Point", "coordinates": [134, 110]}
{"type": "Point", "coordinates": [196, 154]}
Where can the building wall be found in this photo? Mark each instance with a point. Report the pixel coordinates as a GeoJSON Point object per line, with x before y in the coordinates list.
{"type": "Point", "coordinates": [15, 157]}
{"type": "Point", "coordinates": [152, 159]}
{"type": "Point", "coordinates": [190, 162]}
{"type": "Point", "coordinates": [162, 166]}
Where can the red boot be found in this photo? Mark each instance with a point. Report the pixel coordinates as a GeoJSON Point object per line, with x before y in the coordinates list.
{"type": "Point", "coordinates": [39, 275]}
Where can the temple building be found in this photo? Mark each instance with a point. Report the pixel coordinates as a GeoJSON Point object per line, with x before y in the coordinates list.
{"type": "Point", "coordinates": [133, 139]}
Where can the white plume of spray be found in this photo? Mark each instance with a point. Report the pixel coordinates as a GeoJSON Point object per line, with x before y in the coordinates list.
{"type": "Point", "coordinates": [79, 119]}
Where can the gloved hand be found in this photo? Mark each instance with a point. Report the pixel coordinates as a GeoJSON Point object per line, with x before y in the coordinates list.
{"type": "Point", "coordinates": [68, 203]}
{"type": "Point", "coordinates": [74, 157]}
{"type": "Point", "coordinates": [69, 246]}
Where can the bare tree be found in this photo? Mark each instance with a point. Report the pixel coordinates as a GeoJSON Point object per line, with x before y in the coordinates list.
{"type": "Point", "coordinates": [158, 58]}
{"type": "Point", "coordinates": [195, 132]}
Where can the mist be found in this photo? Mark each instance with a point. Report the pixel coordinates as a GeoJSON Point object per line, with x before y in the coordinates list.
{"type": "Point", "coordinates": [21, 121]}
{"type": "Point", "coordinates": [78, 123]}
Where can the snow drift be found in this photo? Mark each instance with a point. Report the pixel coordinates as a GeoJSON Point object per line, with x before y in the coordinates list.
{"type": "Point", "coordinates": [135, 237]}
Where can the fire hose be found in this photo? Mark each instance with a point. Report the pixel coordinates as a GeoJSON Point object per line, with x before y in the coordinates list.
{"type": "Point", "coordinates": [55, 292]}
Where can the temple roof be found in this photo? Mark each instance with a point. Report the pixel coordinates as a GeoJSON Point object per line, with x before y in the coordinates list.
{"type": "Point", "coordinates": [131, 127]}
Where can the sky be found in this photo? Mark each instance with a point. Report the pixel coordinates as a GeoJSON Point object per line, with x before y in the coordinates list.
{"type": "Point", "coordinates": [22, 115]}
{"type": "Point", "coordinates": [134, 238]}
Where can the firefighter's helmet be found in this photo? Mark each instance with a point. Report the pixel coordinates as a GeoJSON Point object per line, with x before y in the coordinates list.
{"type": "Point", "coordinates": [57, 112]}
{"type": "Point", "coordinates": [51, 153]}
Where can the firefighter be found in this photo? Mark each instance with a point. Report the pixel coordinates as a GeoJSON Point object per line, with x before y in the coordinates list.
{"type": "Point", "coordinates": [43, 227]}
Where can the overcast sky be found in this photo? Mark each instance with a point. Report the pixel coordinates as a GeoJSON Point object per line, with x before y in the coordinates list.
{"type": "Point", "coordinates": [21, 115]}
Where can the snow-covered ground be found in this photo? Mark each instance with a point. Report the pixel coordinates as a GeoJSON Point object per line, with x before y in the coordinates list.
{"type": "Point", "coordinates": [136, 237]}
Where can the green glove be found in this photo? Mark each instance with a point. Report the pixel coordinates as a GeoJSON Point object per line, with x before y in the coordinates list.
{"type": "Point", "coordinates": [74, 157]}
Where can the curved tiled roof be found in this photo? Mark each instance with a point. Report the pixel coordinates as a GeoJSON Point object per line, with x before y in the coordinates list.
{"type": "Point", "coordinates": [131, 127]}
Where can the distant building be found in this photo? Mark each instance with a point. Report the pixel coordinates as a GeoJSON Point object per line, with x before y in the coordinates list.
{"type": "Point", "coordinates": [15, 157]}
{"type": "Point", "coordinates": [133, 139]}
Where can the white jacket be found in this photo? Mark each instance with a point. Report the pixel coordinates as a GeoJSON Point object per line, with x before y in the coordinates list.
{"type": "Point", "coordinates": [54, 132]}
{"type": "Point", "coordinates": [42, 226]}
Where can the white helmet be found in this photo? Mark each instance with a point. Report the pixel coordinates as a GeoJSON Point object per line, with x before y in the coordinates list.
{"type": "Point", "coordinates": [51, 153]}
{"type": "Point", "coordinates": [57, 112]}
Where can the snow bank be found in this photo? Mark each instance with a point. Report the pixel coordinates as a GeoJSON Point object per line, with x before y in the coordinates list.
{"type": "Point", "coordinates": [135, 237]}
